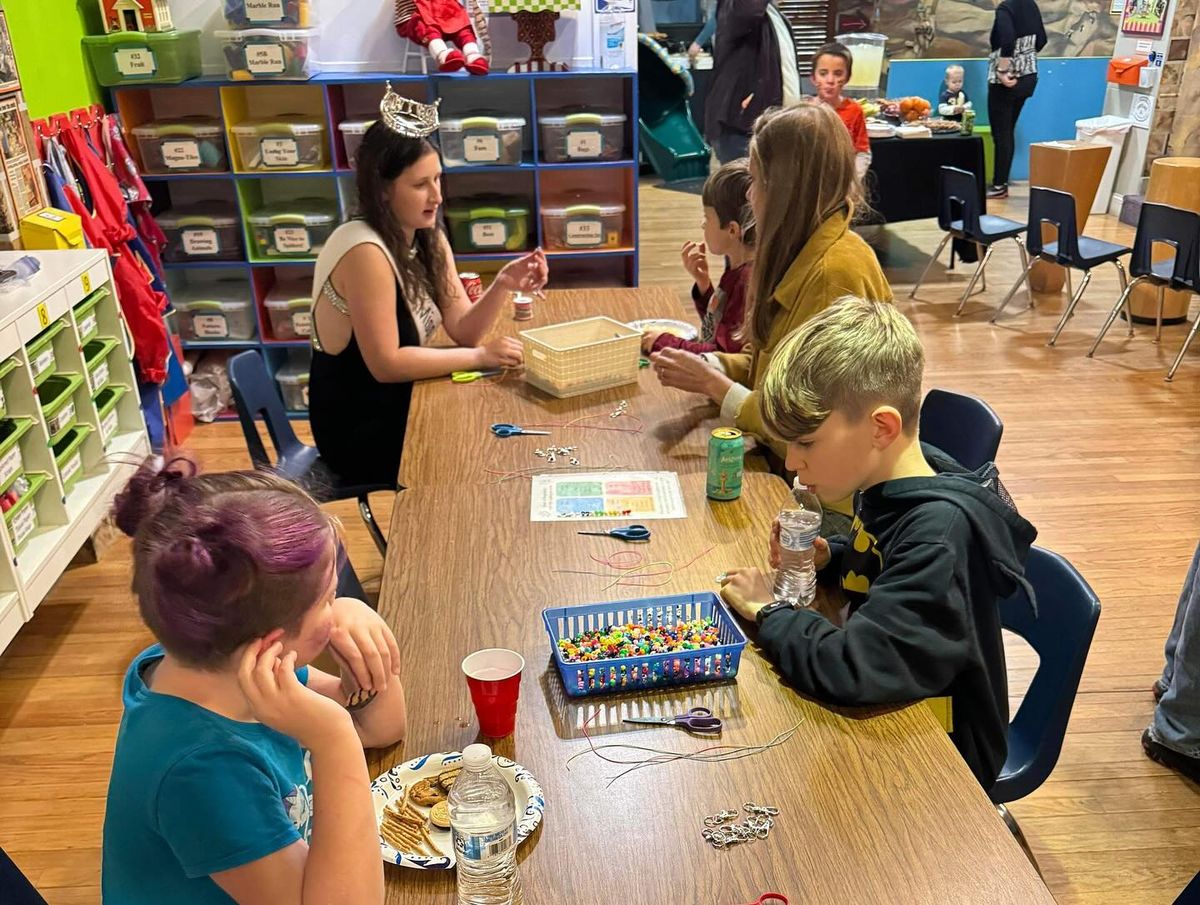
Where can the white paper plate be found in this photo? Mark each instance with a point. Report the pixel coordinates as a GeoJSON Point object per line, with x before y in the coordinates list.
{"type": "Point", "coordinates": [682, 329]}
{"type": "Point", "coordinates": [390, 787]}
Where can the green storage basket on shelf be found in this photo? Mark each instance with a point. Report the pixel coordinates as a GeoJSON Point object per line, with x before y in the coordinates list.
{"type": "Point", "coordinates": [95, 356]}
{"type": "Point", "coordinates": [41, 352]}
{"type": "Point", "coordinates": [488, 224]}
{"type": "Point", "coordinates": [106, 407]}
{"type": "Point", "coordinates": [22, 518]}
{"type": "Point", "coordinates": [136, 57]}
{"type": "Point", "coordinates": [58, 403]}
{"type": "Point", "coordinates": [11, 462]}
{"type": "Point", "coordinates": [86, 319]}
{"type": "Point", "coordinates": [6, 368]}
{"type": "Point", "coordinates": [68, 456]}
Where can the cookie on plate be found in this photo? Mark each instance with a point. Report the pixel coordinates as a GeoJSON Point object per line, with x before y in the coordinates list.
{"type": "Point", "coordinates": [440, 815]}
{"type": "Point", "coordinates": [446, 777]}
{"type": "Point", "coordinates": [426, 793]}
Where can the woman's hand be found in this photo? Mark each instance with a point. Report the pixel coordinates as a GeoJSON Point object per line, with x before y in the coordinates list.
{"type": "Point", "coordinates": [775, 550]}
{"type": "Point", "coordinates": [747, 590]}
{"type": "Point", "coordinates": [746, 102]}
{"type": "Point", "coordinates": [695, 262]}
{"type": "Point", "coordinates": [501, 352]}
{"type": "Point", "coordinates": [527, 273]}
{"type": "Point", "coordinates": [267, 678]}
{"type": "Point", "coordinates": [690, 373]}
{"type": "Point", "coordinates": [694, 50]}
{"type": "Point", "coordinates": [364, 647]}
{"type": "Point", "coordinates": [649, 338]}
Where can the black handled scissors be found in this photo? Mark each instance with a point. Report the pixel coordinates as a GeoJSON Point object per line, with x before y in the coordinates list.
{"type": "Point", "coordinates": [699, 720]}
{"type": "Point", "coordinates": [633, 534]}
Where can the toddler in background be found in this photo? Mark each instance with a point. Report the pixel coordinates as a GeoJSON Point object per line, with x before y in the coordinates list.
{"type": "Point", "coordinates": [728, 231]}
{"type": "Point", "coordinates": [953, 100]}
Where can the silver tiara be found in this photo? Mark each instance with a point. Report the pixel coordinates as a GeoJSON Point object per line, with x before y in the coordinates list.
{"type": "Point", "coordinates": [407, 117]}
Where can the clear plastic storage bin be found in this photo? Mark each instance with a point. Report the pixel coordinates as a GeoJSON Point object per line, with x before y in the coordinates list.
{"type": "Point", "coordinates": [267, 53]}
{"type": "Point", "coordinates": [291, 142]}
{"type": "Point", "coordinates": [582, 136]}
{"type": "Point", "coordinates": [208, 231]}
{"type": "Point", "coordinates": [190, 144]}
{"type": "Point", "coordinates": [214, 310]}
{"type": "Point", "coordinates": [482, 141]}
{"type": "Point", "coordinates": [293, 384]}
{"type": "Point", "coordinates": [353, 131]}
{"type": "Point", "coordinates": [295, 229]}
{"type": "Point", "coordinates": [289, 308]}
{"type": "Point", "coordinates": [136, 57]}
{"type": "Point", "coordinates": [488, 224]}
{"type": "Point", "coordinates": [581, 226]}
{"type": "Point", "coordinates": [268, 13]}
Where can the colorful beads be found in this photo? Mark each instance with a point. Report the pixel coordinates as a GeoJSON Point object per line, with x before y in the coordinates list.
{"type": "Point", "coordinates": [635, 640]}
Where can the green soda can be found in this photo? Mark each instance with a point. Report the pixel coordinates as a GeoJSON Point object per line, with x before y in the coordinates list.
{"type": "Point", "coordinates": [725, 451]}
{"type": "Point", "coordinates": [968, 122]}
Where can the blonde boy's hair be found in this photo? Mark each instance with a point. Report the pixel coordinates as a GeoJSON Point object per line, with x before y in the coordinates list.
{"type": "Point", "coordinates": [954, 67]}
{"type": "Point", "coordinates": [851, 357]}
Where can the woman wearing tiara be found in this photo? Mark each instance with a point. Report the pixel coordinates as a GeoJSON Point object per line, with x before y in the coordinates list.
{"type": "Point", "coordinates": [384, 283]}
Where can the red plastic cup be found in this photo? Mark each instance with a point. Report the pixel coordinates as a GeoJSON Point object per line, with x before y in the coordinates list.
{"type": "Point", "coordinates": [494, 677]}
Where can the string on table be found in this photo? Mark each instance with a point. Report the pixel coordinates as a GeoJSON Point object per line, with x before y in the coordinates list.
{"type": "Point", "coordinates": [628, 564]}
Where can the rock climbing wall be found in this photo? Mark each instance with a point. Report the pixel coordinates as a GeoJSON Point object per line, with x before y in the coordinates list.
{"type": "Point", "coordinates": [1178, 109]}
{"type": "Point", "coordinates": [948, 29]}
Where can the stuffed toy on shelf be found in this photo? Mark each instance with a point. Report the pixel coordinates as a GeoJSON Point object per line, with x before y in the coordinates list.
{"type": "Point", "coordinates": [439, 25]}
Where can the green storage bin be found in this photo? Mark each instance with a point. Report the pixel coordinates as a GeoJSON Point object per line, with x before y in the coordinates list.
{"type": "Point", "coordinates": [488, 225]}
{"type": "Point", "coordinates": [85, 314]}
{"type": "Point", "coordinates": [57, 395]}
{"type": "Point", "coordinates": [139, 58]}
{"type": "Point", "coordinates": [11, 462]}
{"type": "Point", "coordinates": [106, 407]}
{"type": "Point", "coordinates": [6, 368]}
{"type": "Point", "coordinates": [95, 356]}
{"type": "Point", "coordinates": [41, 352]}
{"type": "Point", "coordinates": [68, 456]}
{"type": "Point", "coordinates": [22, 518]}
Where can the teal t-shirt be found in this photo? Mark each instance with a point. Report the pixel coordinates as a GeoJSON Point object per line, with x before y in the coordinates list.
{"type": "Point", "coordinates": [194, 793]}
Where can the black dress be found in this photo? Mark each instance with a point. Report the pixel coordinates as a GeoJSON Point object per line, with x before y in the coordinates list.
{"type": "Point", "coordinates": [359, 423]}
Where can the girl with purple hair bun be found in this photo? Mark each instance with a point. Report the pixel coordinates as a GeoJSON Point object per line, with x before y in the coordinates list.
{"type": "Point", "coordinates": [239, 773]}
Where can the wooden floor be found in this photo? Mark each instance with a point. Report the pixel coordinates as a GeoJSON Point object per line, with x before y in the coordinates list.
{"type": "Point", "coordinates": [1102, 456]}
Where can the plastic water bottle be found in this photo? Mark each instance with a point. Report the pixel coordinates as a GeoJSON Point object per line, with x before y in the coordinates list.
{"type": "Point", "coordinates": [612, 36]}
{"type": "Point", "coordinates": [799, 524]}
{"type": "Point", "coordinates": [483, 824]}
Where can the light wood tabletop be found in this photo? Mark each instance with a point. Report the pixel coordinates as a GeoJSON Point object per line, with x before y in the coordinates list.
{"type": "Point", "coordinates": [873, 809]}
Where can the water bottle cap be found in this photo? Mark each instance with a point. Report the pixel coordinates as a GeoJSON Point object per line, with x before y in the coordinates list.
{"type": "Point", "coordinates": [476, 755]}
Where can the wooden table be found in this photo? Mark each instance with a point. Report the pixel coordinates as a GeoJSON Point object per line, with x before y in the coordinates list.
{"type": "Point", "coordinates": [878, 809]}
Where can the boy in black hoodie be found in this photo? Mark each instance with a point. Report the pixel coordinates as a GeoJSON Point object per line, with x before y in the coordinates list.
{"type": "Point", "coordinates": [933, 546]}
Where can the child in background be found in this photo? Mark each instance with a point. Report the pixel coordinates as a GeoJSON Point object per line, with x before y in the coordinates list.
{"type": "Point", "coordinates": [832, 65]}
{"type": "Point", "coordinates": [228, 738]}
{"type": "Point", "coordinates": [953, 100]}
{"type": "Point", "coordinates": [728, 231]}
{"type": "Point", "coordinates": [933, 546]}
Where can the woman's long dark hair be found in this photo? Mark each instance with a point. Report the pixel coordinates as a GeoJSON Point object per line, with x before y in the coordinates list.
{"type": "Point", "coordinates": [383, 156]}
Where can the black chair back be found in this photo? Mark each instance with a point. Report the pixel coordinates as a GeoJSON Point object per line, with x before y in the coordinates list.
{"type": "Point", "coordinates": [964, 427]}
{"type": "Point", "coordinates": [958, 199]}
{"type": "Point", "coordinates": [255, 394]}
{"type": "Point", "coordinates": [1172, 226]}
{"type": "Point", "coordinates": [1057, 209]}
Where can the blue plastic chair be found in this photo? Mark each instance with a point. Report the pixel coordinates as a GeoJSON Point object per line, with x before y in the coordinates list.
{"type": "Point", "coordinates": [1061, 633]}
{"type": "Point", "coordinates": [960, 216]}
{"type": "Point", "coordinates": [1071, 250]}
{"type": "Point", "coordinates": [255, 394]}
{"type": "Point", "coordinates": [964, 427]}
{"type": "Point", "coordinates": [15, 888]}
{"type": "Point", "coordinates": [1161, 224]}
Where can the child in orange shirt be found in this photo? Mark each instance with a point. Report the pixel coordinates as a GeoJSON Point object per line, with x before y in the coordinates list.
{"type": "Point", "coordinates": [832, 65]}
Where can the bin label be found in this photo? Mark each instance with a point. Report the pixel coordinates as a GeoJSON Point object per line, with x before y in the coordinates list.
{"type": "Point", "coordinates": [43, 362]}
{"type": "Point", "coordinates": [108, 425]}
{"type": "Point", "coordinates": [302, 323]}
{"type": "Point", "coordinates": [71, 468]}
{"type": "Point", "coordinates": [280, 152]}
{"type": "Point", "coordinates": [264, 10]}
{"type": "Point", "coordinates": [99, 376]}
{"type": "Point", "coordinates": [200, 242]}
{"type": "Point", "coordinates": [181, 154]}
{"type": "Point", "coordinates": [291, 240]}
{"type": "Point", "coordinates": [135, 63]}
{"type": "Point", "coordinates": [264, 59]}
{"type": "Point", "coordinates": [585, 233]}
{"type": "Point", "coordinates": [87, 325]}
{"type": "Point", "coordinates": [584, 143]}
{"type": "Point", "coordinates": [489, 234]}
{"type": "Point", "coordinates": [210, 326]}
{"type": "Point", "coordinates": [481, 148]}
{"type": "Point", "coordinates": [23, 524]}
{"type": "Point", "coordinates": [10, 464]}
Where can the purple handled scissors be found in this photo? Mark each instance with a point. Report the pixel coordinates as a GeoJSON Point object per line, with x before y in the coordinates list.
{"type": "Point", "coordinates": [699, 720]}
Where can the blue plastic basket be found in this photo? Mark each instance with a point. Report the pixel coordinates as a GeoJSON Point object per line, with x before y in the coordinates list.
{"type": "Point", "coordinates": [709, 664]}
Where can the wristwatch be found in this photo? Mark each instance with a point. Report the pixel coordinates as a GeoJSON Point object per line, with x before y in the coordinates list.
{"type": "Point", "coordinates": [770, 608]}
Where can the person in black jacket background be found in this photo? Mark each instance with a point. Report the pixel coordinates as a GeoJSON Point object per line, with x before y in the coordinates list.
{"type": "Point", "coordinates": [1017, 36]}
{"type": "Point", "coordinates": [746, 78]}
{"type": "Point", "coordinates": [933, 547]}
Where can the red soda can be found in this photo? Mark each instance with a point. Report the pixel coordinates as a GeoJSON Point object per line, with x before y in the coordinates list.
{"type": "Point", "coordinates": [473, 284]}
